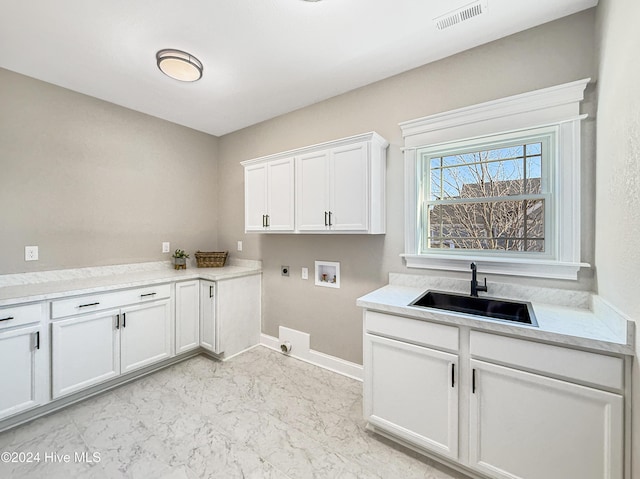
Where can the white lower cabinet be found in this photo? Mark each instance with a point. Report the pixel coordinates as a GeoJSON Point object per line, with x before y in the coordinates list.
{"type": "Point", "coordinates": [187, 315]}
{"type": "Point", "coordinates": [209, 337]}
{"type": "Point", "coordinates": [145, 335]}
{"type": "Point", "coordinates": [412, 392]}
{"type": "Point", "coordinates": [90, 349]}
{"type": "Point", "coordinates": [535, 411]}
{"type": "Point", "coordinates": [524, 425]}
{"type": "Point", "coordinates": [230, 312]}
{"type": "Point", "coordinates": [23, 370]}
{"type": "Point", "coordinates": [85, 351]}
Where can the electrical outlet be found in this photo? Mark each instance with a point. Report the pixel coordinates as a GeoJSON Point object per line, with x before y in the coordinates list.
{"type": "Point", "coordinates": [31, 253]}
{"type": "Point", "coordinates": [166, 248]}
{"type": "Point", "coordinates": [305, 273]}
{"type": "Point", "coordinates": [239, 245]}
{"type": "Point", "coordinates": [284, 270]}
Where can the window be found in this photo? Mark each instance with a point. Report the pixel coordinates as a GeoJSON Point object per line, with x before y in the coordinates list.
{"type": "Point", "coordinates": [494, 195]}
{"type": "Point", "coordinates": [497, 183]}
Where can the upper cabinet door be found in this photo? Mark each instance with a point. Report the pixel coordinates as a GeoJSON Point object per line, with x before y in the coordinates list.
{"type": "Point", "coordinates": [312, 191]}
{"type": "Point", "coordinates": [255, 197]}
{"type": "Point", "coordinates": [280, 195]}
{"type": "Point", "coordinates": [349, 191]}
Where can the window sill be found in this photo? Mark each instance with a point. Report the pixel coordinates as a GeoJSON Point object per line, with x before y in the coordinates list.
{"type": "Point", "coordinates": [506, 266]}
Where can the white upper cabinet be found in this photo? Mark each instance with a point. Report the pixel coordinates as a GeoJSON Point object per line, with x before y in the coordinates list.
{"type": "Point", "coordinates": [339, 188]}
{"type": "Point", "coordinates": [312, 190]}
{"type": "Point", "coordinates": [269, 200]}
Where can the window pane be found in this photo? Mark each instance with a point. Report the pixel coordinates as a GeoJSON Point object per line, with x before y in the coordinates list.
{"type": "Point", "coordinates": [493, 225]}
{"type": "Point", "coordinates": [534, 174]}
{"type": "Point", "coordinates": [491, 173]}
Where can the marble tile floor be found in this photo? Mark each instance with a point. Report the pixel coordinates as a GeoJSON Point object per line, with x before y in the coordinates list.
{"type": "Point", "coordinates": [258, 415]}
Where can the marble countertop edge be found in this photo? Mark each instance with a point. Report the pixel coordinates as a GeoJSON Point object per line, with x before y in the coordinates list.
{"type": "Point", "coordinates": [51, 290]}
{"type": "Point", "coordinates": [559, 325]}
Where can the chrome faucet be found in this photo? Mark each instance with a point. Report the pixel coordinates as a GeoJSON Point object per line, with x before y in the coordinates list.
{"type": "Point", "coordinates": [474, 282]}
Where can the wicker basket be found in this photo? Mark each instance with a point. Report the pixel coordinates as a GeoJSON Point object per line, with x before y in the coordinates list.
{"type": "Point", "coordinates": [212, 259]}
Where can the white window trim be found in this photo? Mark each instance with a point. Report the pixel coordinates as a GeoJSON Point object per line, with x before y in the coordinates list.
{"type": "Point", "coordinates": [555, 106]}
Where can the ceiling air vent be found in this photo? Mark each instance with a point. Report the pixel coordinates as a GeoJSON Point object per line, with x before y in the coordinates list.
{"type": "Point", "coordinates": [460, 15]}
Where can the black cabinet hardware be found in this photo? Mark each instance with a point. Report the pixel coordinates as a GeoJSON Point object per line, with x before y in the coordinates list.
{"type": "Point", "coordinates": [124, 320]}
{"type": "Point", "coordinates": [325, 219]}
{"type": "Point", "coordinates": [264, 221]}
{"type": "Point", "coordinates": [7, 319]}
{"type": "Point", "coordinates": [473, 381]}
{"type": "Point", "coordinates": [211, 291]}
{"type": "Point", "coordinates": [453, 375]}
{"type": "Point", "coordinates": [147, 294]}
{"type": "Point", "coordinates": [88, 304]}
{"type": "Point", "coordinates": [37, 339]}
{"type": "Point", "coordinates": [329, 218]}
{"type": "Point", "coordinates": [267, 216]}
{"type": "Point", "coordinates": [117, 321]}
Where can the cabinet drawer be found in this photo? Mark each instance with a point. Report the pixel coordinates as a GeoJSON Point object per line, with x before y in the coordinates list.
{"type": "Point", "coordinates": [434, 335]}
{"type": "Point", "coordinates": [582, 366]}
{"type": "Point", "coordinates": [19, 315]}
{"type": "Point", "coordinates": [101, 301]}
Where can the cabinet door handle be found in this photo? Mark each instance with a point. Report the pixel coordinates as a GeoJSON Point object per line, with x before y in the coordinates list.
{"type": "Point", "coordinates": [453, 375]}
{"type": "Point", "coordinates": [325, 219]}
{"type": "Point", "coordinates": [88, 304]}
{"type": "Point", "coordinates": [37, 339]}
{"type": "Point", "coordinates": [330, 218]}
{"type": "Point", "coordinates": [267, 220]}
{"type": "Point", "coordinates": [473, 381]}
{"type": "Point", "coordinates": [7, 319]}
{"type": "Point", "coordinates": [211, 291]}
{"type": "Point", "coordinates": [264, 221]}
{"type": "Point", "coordinates": [124, 320]}
{"type": "Point", "coordinates": [147, 294]}
{"type": "Point", "coordinates": [117, 321]}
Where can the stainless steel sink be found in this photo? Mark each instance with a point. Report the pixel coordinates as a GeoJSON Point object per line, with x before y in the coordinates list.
{"type": "Point", "coordinates": [500, 309]}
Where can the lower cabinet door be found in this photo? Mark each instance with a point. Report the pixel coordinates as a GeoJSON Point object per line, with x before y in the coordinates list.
{"type": "Point", "coordinates": [412, 392]}
{"type": "Point", "coordinates": [208, 325]}
{"type": "Point", "coordinates": [187, 316]}
{"type": "Point", "coordinates": [145, 335]}
{"type": "Point", "coordinates": [20, 377]}
{"type": "Point", "coordinates": [85, 351]}
{"type": "Point", "coordinates": [527, 426]}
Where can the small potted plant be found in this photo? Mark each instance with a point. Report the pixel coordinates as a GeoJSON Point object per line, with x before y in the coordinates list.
{"type": "Point", "coordinates": [180, 259]}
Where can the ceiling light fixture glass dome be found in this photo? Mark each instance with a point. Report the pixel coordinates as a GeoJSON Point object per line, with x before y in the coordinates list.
{"type": "Point", "coordinates": [179, 65]}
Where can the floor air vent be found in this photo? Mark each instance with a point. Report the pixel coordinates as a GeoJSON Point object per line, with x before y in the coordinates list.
{"type": "Point", "coordinates": [460, 15]}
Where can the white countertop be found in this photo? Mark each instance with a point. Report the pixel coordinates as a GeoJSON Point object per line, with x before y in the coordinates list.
{"type": "Point", "coordinates": [89, 280]}
{"type": "Point", "coordinates": [556, 324]}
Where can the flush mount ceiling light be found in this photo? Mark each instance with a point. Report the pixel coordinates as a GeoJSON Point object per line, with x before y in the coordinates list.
{"type": "Point", "coordinates": [179, 65]}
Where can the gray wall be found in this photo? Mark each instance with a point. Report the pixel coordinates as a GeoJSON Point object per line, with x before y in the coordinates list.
{"type": "Point", "coordinates": [551, 54]}
{"type": "Point", "coordinates": [92, 183]}
{"type": "Point", "coordinates": [618, 166]}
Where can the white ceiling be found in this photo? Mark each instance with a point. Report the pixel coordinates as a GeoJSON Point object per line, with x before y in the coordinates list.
{"type": "Point", "coordinates": [262, 58]}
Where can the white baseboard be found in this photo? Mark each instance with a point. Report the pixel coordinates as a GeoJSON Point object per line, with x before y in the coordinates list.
{"type": "Point", "coordinates": [300, 350]}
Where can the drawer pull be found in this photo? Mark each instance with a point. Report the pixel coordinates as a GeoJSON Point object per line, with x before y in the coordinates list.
{"type": "Point", "coordinates": [88, 304]}
{"type": "Point", "coordinates": [37, 339]}
{"type": "Point", "coordinates": [117, 321]}
{"type": "Point", "coordinates": [211, 291]}
{"type": "Point", "coordinates": [147, 294]}
{"type": "Point", "coordinates": [7, 319]}
{"type": "Point", "coordinates": [124, 320]}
